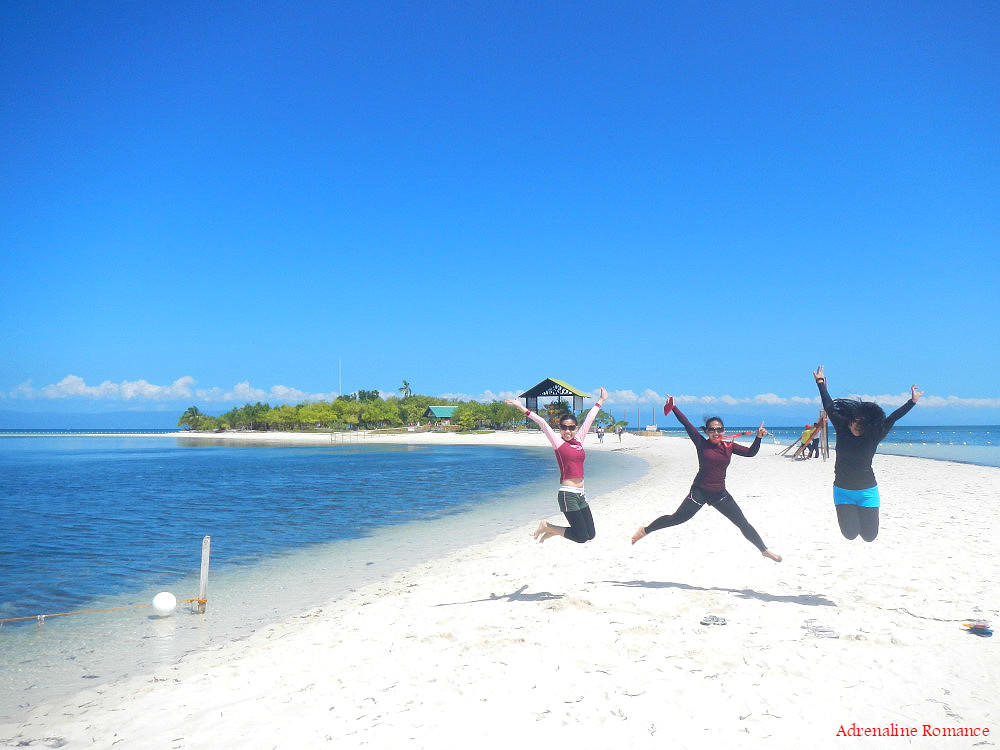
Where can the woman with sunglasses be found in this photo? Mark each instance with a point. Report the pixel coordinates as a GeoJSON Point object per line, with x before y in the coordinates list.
{"type": "Point", "coordinates": [568, 445]}
{"type": "Point", "coordinates": [860, 427]}
{"type": "Point", "coordinates": [709, 487]}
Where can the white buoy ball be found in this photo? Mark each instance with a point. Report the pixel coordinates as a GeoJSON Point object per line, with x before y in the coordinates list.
{"type": "Point", "coordinates": [164, 603]}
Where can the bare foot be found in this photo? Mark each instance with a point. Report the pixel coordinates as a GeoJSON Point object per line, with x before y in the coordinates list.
{"type": "Point", "coordinates": [639, 534]}
{"type": "Point", "coordinates": [543, 528]}
{"type": "Point", "coordinates": [771, 555]}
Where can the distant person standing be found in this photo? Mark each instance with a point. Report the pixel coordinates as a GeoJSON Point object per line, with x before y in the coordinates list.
{"type": "Point", "coordinates": [619, 430]}
{"type": "Point", "coordinates": [860, 427]}
{"type": "Point", "coordinates": [804, 439]}
{"type": "Point", "coordinates": [600, 434]}
{"type": "Point", "coordinates": [568, 445]}
{"type": "Point", "coordinates": [814, 443]}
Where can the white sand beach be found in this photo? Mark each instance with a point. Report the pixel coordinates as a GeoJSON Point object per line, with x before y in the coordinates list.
{"type": "Point", "coordinates": [511, 643]}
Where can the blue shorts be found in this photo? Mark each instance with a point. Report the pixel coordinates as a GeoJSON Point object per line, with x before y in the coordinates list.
{"type": "Point", "coordinates": [863, 498]}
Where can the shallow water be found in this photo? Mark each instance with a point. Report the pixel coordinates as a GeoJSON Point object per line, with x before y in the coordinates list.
{"type": "Point", "coordinates": [92, 517]}
{"type": "Point", "coordinates": [291, 568]}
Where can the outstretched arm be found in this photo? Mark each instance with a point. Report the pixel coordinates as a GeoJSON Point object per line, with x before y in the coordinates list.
{"type": "Point", "coordinates": [692, 431]}
{"type": "Point", "coordinates": [824, 394]}
{"type": "Point", "coordinates": [592, 415]}
{"type": "Point", "coordinates": [516, 402]}
{"type": "Point", "coordinates": [754, 447]}
{"type": "Point", "coordinates": [914, 397]}
{"type": "Point", "coordinates": [542, 424]}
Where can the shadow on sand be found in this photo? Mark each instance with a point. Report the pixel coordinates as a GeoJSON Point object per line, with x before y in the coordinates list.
{"type": "Point", "coordinates": [515, 596]}
{"type": "Point", "coordinates": [810, 600]}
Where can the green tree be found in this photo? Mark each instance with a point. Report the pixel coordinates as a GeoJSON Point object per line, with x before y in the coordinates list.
{"type": "Point", "coordinates": [504, 415]}
{"type": "Point", "coordinates": [247, 417]}
{"type": "Point", "coordinates": [207, 423]}
{"type": "Point", "coordinates": [471, 414]}
{"type": "Point", "coordinates": [317, 414]}
{"type": "Point", "coordinates": [380, 413]}
{"type": "Point", "coordinates": [364, 396]}
{"type": "Point", "coordinates": [405, 390]}
{"type": "Point", "coordinates": [191, 418]}
{"type": "Point", "coordinates": [284, 417]}
{"type": "Point", "coordinates": [411, 410]}
{"type": "Point", "coordinates": [347, 411]}
{"type": "Point", "coordinates": [555, 410]}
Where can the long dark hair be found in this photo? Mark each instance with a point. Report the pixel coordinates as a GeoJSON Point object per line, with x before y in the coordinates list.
{"type": "Point", "coordinates": [868, 413]}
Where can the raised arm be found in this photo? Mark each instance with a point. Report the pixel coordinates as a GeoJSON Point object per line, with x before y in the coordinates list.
{"type": "Point", "coordinates": [914, 397]}
{"type": "Point", "coordinates": [824, 394]}
{"type": "Point", "coordinates": [581, 433]}
{"type": "Point", "coordinates": [692, 431]}
{"type": "Point", "coordinates": [754, 447]}
{"type": "Point", "coordinates": [545, 427]}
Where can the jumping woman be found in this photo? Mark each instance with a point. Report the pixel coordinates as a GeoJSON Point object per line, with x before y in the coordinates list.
{"type": "Point", "coordinates": [568, 445]}
{"type": "Point", "coordinates": [860, 427]}
{"type": "Point", "coordinates": [709, 487]}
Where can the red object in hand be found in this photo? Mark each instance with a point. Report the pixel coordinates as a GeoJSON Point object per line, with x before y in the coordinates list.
{"type": "Point", "coordinates": [668, 407]}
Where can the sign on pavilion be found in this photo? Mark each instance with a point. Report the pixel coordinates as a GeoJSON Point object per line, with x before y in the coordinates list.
{"type": "Point", "coordinates": [553, 387]}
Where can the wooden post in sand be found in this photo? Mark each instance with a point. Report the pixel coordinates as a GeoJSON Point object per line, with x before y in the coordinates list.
{"type": "Point", "coordinates": [206, 553]}
{"type": "Point", "coordinates": [824, 444]}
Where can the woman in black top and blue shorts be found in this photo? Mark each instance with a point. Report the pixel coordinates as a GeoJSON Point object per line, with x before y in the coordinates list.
{"type": "Point", "coordinates": [860, 426]}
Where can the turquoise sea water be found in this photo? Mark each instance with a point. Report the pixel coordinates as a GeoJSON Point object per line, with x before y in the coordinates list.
{"type": "Point", "coordinates": [102, 522]}
{"type": "Point", "coordinates": [88, 517]}
{"type": "Point", "coordinates": [971, 444]}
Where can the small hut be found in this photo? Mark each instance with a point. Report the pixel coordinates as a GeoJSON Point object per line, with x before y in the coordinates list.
{"type": "Point", "coordinates": [440, 414]}
{"type": "Point", "coordinates": [553, 387]}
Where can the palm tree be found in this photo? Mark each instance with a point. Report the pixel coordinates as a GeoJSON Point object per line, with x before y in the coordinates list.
{"type": "Point", "coordinates": [405, 390]}
{"type": "Point", "coordinates": [190, 418]}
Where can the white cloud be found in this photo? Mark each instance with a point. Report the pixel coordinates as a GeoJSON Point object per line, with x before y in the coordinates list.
{"type": "Point", "coordinates": [934, 402]}
{"type": "Point", "coordinates": [182, 389]}
{"type": "Point", "coordinates": [244, 393]}
{"type": "Point", "coordinates": [73, 386]}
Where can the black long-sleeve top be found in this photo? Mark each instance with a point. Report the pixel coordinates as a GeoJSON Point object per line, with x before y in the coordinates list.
{"type": "Point", "coordinates": [853, 468]}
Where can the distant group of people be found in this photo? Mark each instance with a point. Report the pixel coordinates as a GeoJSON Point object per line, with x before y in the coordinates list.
{"type": "Point", "coordinates": [860, 427]}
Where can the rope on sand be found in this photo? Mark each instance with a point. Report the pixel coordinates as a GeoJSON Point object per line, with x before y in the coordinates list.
{"type": "Point", "coordinates": [41, 618]}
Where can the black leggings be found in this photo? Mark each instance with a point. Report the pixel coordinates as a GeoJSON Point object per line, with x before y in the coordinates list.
{"type": "Point", "coordinates": [722, 502]}
{"type": "Point", "coordinates": [857, 519]}
{"type": "Point", "coordinates": [581, 525]}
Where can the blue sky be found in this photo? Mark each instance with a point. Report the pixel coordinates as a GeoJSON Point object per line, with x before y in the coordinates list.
{"type": "Point", "coordinates": [214, 203]}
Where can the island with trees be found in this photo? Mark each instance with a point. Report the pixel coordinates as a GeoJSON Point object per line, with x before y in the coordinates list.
{"type": "Point", "coordinates": [369, 410]}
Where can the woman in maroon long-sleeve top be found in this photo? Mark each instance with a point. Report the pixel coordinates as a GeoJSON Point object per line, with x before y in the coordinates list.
{"type": "Point", "coordinates": [709, 487]}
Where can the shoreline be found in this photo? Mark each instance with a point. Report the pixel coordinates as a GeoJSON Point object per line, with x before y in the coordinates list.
{"type": "Point", "coordinates": [280, 584]}
{"type": "Point", "coordinates": [601, 644]}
